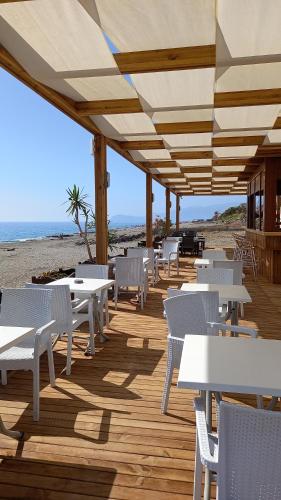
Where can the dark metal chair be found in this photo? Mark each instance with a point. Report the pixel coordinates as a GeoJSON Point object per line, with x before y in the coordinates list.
{"type": "Point", "coordinates": [188, 245]}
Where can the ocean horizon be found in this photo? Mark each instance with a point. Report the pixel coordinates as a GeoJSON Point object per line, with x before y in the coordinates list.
{"type": "Point", "coordinates": [25, 231]}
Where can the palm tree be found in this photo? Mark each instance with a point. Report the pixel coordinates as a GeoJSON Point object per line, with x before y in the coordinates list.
{"type": "Point", "coordinates": [79, 207]}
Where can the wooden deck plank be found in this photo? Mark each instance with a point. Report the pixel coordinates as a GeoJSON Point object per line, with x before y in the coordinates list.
{"type": "Point", "coordinates": [101, 434]}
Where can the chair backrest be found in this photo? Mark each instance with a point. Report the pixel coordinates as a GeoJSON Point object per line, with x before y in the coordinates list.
{"type": "Point", "coordinates": [185, 315]}
{"type": "Point", "coordinates": [214, 254]}
{"type": "Point", "coordinates": [249, 453]}
{"type": "Point", "coordinates": [170, 247]}
{"type": "Point", "coordinates": [188, 242]}
{"type": "Point", "coordinates": [61, 305]}
{"type": "Point", "coordinates": [215, 276]}
{"type": "Point", "coordinates": [129, 271]}
{"type": "Point", "coordinates": [144, 252]}
{"type": "Point", "coordinates": [173, 238]}
{"type": "Point", "coordinates": [235, 265]}
{"type": "Point", "coordinates": [94, 271]}
{"type": "Point", "coordinates": [210, 303]}
{"type": "Point", "coordinates": [26, 307]}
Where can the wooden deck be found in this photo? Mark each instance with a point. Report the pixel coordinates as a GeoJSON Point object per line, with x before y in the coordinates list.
{"type": "Point", "coordinates": [101, 434]}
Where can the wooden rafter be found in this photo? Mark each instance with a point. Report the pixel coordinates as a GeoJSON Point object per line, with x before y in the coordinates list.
{"type": "Point", "coordinates": [138, 145]}
{"type": "Point", "coordinates": [198, 170]}
{"type": "Point", "coordinates": [191, 155]}
{"type": "Point", "coordinates": [235, 161]}
{"type": "Point", "coordinates": [183, 127]}
{"type": "Point", "coordinates": [147, 61]}
{"type": "Point", "coordinates": [238, 141]}
{"type": "Point", "coordinates": [161, 164]}
{"type": "Point", "coordinates": [108, 107]}
{"type": "Point", "coordinates": [277, 123]}
{"type": "Point", "coordinates": [170, 176]}
{"type": "Point", "coordinates": [269, 150]}
{"type": "Point", "coordinates": [247, 98]}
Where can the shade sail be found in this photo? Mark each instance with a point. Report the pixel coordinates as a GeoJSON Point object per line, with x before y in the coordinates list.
{"type": "Point", "coordinates": [188, 90]}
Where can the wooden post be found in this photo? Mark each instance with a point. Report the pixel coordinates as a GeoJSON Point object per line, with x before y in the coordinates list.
{"type": "Point", "coordinates": [168, 207]}
{"type": "Point", "coordinates": [177, 213]}
{"type": "Point", "coordinates": [149, 210]}
{"type": "Point", "coordinates": [101, 199]}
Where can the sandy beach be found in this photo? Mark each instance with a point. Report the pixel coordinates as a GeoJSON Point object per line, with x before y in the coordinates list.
{"type": "Point", "coordinates": [19, 261]}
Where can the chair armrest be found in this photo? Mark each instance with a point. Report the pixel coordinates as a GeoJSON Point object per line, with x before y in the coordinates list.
{"type": "Point", "coordinates": [80, 306]}
{"type": "Point", "coordinates": [234, 328]}
{"type": "Point", "coordinates": [46, 328]}
{"type": "Point", "coordinates": [173, 253]}
{"type": "Point", "coordinates": [75, 302]}
{"type": "Point", "coordinates": [207, 458]}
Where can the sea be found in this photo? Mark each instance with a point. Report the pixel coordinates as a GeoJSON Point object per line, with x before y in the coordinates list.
{"type": "Point", "coordinates": [24, 231]}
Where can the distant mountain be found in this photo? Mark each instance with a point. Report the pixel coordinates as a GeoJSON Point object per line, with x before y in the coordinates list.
{"type": "Point", "coordinates": [187, 214]}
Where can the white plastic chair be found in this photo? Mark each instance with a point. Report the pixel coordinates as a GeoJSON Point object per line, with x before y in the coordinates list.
{"type": "Point", "coordinates": [235, 265]}
{"type": "Point", "coordinates": [96, 271]}
{"type": "Point", "coordinates": [146, 253]}
{"type": "Point", "coordinates": [68, 318]}
{"type": "Point", "coordinates": [215, 276]}
{"type": "Point", "coordinates": [170, 255]}
{"type": "Point", "coordinates": [214, 254]}
{"type": "Point", "coordinates": [129, 271]}
{"type": "Point", "coordinates": [246, 454]}
{"type": "Point", "coordinates": [192, 314]}
{"type": "Point", "coordinates": [28, 308]}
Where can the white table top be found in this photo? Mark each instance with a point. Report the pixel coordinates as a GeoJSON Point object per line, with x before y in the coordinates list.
{"type": "Point", "coordinates": [229, 364]}
{"type": "Point", "coordinates": [11, 335]}
{"type": "Point", "coordinates": [89, 285]}
{"type": "Point", "coordinates": [234, 293]}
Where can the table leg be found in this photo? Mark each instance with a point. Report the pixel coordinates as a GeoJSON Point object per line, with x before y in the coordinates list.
{"type": "Point", "coordinates": [98, 315]}
{"type": "Point", "coordinates": [207, 397]}
{"type": "Point", "coordinates": [14, 434]}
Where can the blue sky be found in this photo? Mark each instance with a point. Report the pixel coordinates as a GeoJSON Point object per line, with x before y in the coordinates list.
{"type": "Point", "coordinates": [43, 152]}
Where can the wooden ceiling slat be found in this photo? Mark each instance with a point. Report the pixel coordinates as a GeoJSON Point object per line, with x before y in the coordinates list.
{"type": "Point", "coordinates": [238, 141]}
{"type": "Point", "coordinates": [247, 98]}
{"type": "Point", "coordinates": [277, 123]}
{"type": "Point", "coordinates": [138, 145]}
{"type": "Point", "coordinates": [184, 127]}
{"type": "Point", "coordinates": [269, 150]}
{"type": "Point", "coordinates": [235, 161]}
{"type": "Point", "coordinates": [147, 61]}
{"type": "Point", "coordinates": [199, 179]}
{"type": "Point", "coordinates": [108, 107]}
{"type": "Point", "coordinates": [161, 164]}
{"type": "Point", "coordinates": [191, 155]}
{"type": "Point", "coordinates": [196, 170]}
{"type": "Point", "coordinates": [170, 176]}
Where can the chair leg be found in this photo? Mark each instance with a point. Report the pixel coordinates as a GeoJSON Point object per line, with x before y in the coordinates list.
{"type": "Point", "coordinates": [142, 292]}
{"type": "Point", "coordinates": [168, 381]}
{"type": "Point", "coordinates": [115, 296]}
{"type": "Point", "coordinates": [51, 365]}
{"type": "Point", "coordinates": [4, 377]}
{"type": "Point", "coordinates": [242, 310]}
{"type": "Point", "coordinates": [197, 482]}
{"type": "Point", "coordinates": [69, 353]}
{"type": "Point", "coordinates": [92, 326]}
{"type": "Point", "coordinates": [36, 389]}
{"type": "Point", "coordinates": [169, 274]}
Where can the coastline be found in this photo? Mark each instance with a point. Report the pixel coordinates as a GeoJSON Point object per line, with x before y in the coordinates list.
{"type": "Point", "coordinates": [20, 260]}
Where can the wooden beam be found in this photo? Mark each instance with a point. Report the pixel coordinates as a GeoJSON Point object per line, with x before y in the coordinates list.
{"type": "Point", "coordinates": [247, 98]}
{"type": "Point", "coordinates": [183, 127]}
{"type": "Point", "coordinates": [147, 61]}
{"type": "Point", "coordinates": [168, 176]}
{"type": "Point", "coordinates": [195, 170]}
{"type": "Point", "coordinates": [238, 141]}
{"type": "Point", "coordinates": [168, 211]}
{"type": "Point", "coordinates": [277, 123]}
{"type": "Point", "coordinates": [108, 107]}
{"type": "Point", "coordinates": [149, 238]}
{"type": "Point", "coordinates": [199, 179]}
{"type": "Point", "coordinates": [177, 213]}
{"type": "Point", "coordinates": [128, 145]}
{"type": "Point", "coordinates": [235, 161]}
{"type": "Point", "coordinates": [193, 155]}
{"type": "Point", "coordinates": [162, 164]}
{"type": "Point", "coordinates": [269, 150]}
{"type": "Point", "coordinates": [101, 200]}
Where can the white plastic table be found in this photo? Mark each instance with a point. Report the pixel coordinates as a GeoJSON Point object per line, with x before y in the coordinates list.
{"type": "Point", "coordinates": [225, 364]}
{"type": "Point", "coordinates": [203, 262]}
{"type": "Point", "coordinates": [9, 337]}
{"type": "Point", "coordinates": [90, 288]}
{"type": "Point", "coordinates": [227, 293]}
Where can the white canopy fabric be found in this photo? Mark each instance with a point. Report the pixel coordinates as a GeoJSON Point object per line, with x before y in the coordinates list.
{"type": "Point", "coordinates": [194, 84]}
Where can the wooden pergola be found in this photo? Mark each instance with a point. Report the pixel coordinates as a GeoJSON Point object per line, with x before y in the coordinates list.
{"type": "Point", "coordinates": [188, 91]}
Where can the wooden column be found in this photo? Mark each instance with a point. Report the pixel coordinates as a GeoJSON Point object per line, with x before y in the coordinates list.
{"type": "Point", "coordinates": [101, 199]}
{"type": "Point", "coordinates": [149, 238]}
{"type": "Point", "coordinates": [177, 213]}
{"type": "Point", "coordinates": [168, 208]}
